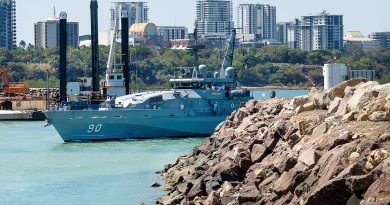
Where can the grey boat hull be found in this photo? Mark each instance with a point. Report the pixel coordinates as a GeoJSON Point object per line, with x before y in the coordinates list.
{"type": "Point", "coordinates": [131, 124]}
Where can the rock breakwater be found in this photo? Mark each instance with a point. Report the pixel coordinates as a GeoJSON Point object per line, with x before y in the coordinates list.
{"type": "Point", "coordinates": [329, 147]}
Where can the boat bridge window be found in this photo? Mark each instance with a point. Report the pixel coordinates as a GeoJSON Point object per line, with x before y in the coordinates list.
{"type": "Point", "coordinates": [111, 77]}
{"type": "Point", "coordinates": [119, 77]}
{"type": "Point", "coordinates": [186, 85]}
{"type": "Point", "coordinates": [219, 86]}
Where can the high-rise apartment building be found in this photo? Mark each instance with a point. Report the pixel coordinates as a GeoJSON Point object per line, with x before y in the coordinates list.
{"type": "Point", "coordinates": [382, 37]}
{"type": "Point", "coordinates": [7, 24]}
{"type": "Point", "coordinates": [294, 34]}
{"type": "Point", "coordinates": [47, 34]}
{"type": "Point", "coordinates": [257, 20]}
{"type": "Point", "coordinates": [282, 32]}
{"type": "Point", "coordinates": [137, 11]}
{"type": "Point", "coordinates": [321, 31]}
{"type": "Point", "coordinates": [214, 16]}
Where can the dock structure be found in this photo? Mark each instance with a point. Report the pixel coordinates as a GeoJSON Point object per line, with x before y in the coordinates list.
{"type": "Point", "coordinates": [21, 115]}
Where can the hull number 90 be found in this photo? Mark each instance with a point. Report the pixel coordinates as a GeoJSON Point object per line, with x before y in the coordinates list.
{"type": "Point", "coordinates": [94, 128]}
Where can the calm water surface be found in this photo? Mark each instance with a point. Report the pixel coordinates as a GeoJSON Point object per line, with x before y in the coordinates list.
{"type": "Point", "coordinates": [264, 94]}
{"type": "Point", "coordinates": [36, 167]}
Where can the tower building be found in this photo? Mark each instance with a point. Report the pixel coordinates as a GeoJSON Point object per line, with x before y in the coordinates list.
{"type": "Point", "coordinates": [8, 24]}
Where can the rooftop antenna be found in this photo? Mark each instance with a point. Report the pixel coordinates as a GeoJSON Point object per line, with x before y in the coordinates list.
{"type": "Point", "coordinates": [55, 11]}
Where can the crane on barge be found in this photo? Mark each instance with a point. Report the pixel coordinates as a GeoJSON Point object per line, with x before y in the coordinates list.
{"type": "Point", "coordinates": [11, 88]}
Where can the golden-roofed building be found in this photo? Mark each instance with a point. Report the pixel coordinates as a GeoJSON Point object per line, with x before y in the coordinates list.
{"type": "Point", "coordinates": [143, 30]}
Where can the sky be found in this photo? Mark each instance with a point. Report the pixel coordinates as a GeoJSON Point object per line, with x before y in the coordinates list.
{"type": "Point", "coordinates": [359, 15]}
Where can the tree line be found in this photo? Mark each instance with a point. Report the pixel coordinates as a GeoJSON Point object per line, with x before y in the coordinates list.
{"type": "Point", "coordinates": [154, 67]}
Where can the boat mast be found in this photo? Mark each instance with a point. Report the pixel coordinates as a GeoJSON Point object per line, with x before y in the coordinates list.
{"type": "Point", "coordinates": [111, 56]}
{"type": "Point", "coordinates": [228, 59]}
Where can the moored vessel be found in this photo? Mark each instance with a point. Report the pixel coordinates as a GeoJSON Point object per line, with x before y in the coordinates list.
{"type": "Point", "coordinates": [193, 107]}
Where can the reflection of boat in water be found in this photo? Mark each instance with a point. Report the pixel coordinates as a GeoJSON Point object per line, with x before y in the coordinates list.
{"type": "Point", "coordinates": [193, 107]}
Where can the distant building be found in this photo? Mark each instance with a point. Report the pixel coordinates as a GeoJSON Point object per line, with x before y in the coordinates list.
{"type": "Point", "coordinates": [321, 31]}
{"type": "Point", "coordinates": [214, 16]}
{"type": "Point", "coordinates": [137, 11]}
{"type": "Point", "coordinates": [85, 37]}
{"type": "Point", "coordinates": [169, 33]}
{"type": "Point", "coordinates": [47, 34]}
{"type": "Point", "coordinates": [105, 37]}
{"type": "Point", "coordinates": [257, 20]}
{"type": "Point", "coordinates": [271, 42]}
{"type": "Point", "coordinates": [85, 40]}
{"type": "Point", "coordinates": [355, 38]}
{"type": "Point", "coordinates": [144, 34]}
{"type": "Point", "coordinates": [382, 37]}
{"type": "Point", "coordinates": [182, 43]}
{"type": "Point", "coordinates": [368, 74]}
{"type": "Point", "coordinates": [214, 40]}
{"type": "Point", "coordinates": [294, 34]}
{"type": "Point", "coordinates": [8, 24]}
{"type": "Point", "coordinates": [282, 32]}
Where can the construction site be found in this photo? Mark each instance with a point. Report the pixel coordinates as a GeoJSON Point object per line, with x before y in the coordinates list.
{"type": "Point", "coordinates": [20, 102]}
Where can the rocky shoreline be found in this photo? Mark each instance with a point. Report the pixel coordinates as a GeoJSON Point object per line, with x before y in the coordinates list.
{"type": "Point", "coordinates": [329, 147]}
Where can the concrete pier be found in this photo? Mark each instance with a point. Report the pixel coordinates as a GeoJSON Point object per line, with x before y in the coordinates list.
{"type": "Point", "coordinates": [22, 115]}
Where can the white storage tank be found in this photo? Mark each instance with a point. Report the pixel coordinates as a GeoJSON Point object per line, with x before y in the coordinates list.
{"type": "Point", "coordinates": [334, 74]}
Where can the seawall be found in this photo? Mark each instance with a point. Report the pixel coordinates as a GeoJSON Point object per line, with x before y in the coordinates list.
{"type": "Point", "coordinates": [329, 147]}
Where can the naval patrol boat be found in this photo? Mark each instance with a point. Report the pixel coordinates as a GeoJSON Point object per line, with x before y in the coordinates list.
{"type": "Point", "coordinates": [193, 107]}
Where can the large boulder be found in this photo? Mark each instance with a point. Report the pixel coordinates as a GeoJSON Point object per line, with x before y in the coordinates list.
{"type": "Point", "coordinates": [339, 90]}
{"type": "Point", "coordinates": [379, 191]}
{"type": "Point", "coordinates": [378, 116]}
{"type": "Point", "coordinates": [282, 185]}
{"type": "Point", "coordinates": [375, 158]}
{"type": "Point", "coordinates": [305, 107]}
{"type": "Point", "coordinates": [334, 105]}
{"type": "Point", "coordinates": [248, 194]}
{"type": "Point", "coordinates": [299, 101]}
{"type": "Point", "coordinates": [258, 153]}
{"type": "Point", "coordinates": [199, 189]}
{"type": "Point", "coordinates": [363, 95]}
{"type": "Point", "coordinates": [333, 192]}
{"type": "Point", "coordinates": [309, 157]}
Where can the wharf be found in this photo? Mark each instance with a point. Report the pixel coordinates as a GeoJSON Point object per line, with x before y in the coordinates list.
{"type": "Point", "coordinates": [21, 115]}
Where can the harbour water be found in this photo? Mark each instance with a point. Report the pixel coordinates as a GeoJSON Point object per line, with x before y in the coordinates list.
{"type": "Point", "coordinates": [36, 167]}
{"type": "Point", "coordinates": [264, 94]}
